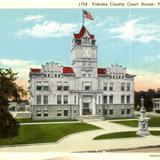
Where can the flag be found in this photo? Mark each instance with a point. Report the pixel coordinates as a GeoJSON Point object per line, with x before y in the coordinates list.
{"type": "Point", "coordinates": [87, 15]}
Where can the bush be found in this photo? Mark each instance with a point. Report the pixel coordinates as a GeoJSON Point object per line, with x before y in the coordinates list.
{"type": "Point", "coordinates": [8, 125]}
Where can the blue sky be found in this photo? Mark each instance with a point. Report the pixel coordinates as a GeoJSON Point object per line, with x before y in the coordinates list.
{"type": "Point", "coordinates": [129, 37]}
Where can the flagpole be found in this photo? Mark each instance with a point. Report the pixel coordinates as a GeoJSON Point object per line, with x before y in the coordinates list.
{"type": "Point", "coordinates": [82, 19]}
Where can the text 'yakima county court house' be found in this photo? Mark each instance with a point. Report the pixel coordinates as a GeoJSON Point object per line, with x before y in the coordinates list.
{"type": "Point", "coordinates": [81, 90]}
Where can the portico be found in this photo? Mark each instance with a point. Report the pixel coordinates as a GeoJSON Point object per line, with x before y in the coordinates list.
{"type": "Point", "coordinates": [87, 104]}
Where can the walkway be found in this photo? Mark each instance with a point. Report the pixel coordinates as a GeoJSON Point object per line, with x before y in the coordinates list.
{"type": "Point", "coordinates": [83, 141]}
{"type": "Point", "coordinates": [38, 123]}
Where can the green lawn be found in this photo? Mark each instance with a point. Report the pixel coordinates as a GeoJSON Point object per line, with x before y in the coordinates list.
{"type": "Point", "coordinates": [131, 123]}
{"type": "Point", "coordinates": [29, 120]}
{"type": "Point", "coordinates": [127, 134]}
{"type": "Point", "coordinates": [152, 122]}
{"type": "Point", "coordinates": [155, 133]}
{"type": "Point", "coordinates": [45, 133]}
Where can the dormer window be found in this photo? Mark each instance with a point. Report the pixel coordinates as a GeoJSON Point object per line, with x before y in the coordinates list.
{"type": "Point", "coordinates": [93, 42]}
{"type": "Point", "coordinates": [85, 40]}
{"type": "Point", "coordinates": [78, 42]}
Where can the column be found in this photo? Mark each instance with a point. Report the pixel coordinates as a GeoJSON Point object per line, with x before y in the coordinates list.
{"type": "Point", "coordinates": [94, 105]}
{"type": "Point", "coordinates": [80, 106]}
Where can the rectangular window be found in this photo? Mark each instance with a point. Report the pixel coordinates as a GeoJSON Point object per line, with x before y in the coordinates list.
{"type": "Point", "coordinates": [39, 86]}
{"type": "Point", "coordinates": [38, 113]}
{"type": "Point", "coordinates": [111, 86]}
{"type": "Point", "coordinates": [111, 111]}
{"type": "Point", "coordinates": [105, 99]}
{"type": "Point", "coordinates": [128, 111]}
{"type": "Point", "coordinates": [113, 76]}
{"type": "Point", "coordinates": [122, 86]}
{"type": "Point", "coordinates": [99, 99]}
{"type": "Point", "coordinates": [122, 111]}
{"type": "Point", "coordinates": [105, 112]}
{"type": "Point", "coordinates": [45, 86]}
{"type": "Point", "coordinates": [59, 88]}
{"type": "Point", "coordinates": [45, 112]}
{"type": "Point", "coordinates": [66, 88]}
{"type": "Point", "coordinates": [128, 99]}
{"type": "Point", "coordinates": [65, 99]}
{"type": "Point", "coordinates": [59, 112]}
{"type": "Point", "coordinates": [87, 88]}
{"type": "Point", "coordinates": [122, 99]}
{"type": "Point", "coordinates": [111, 99]}
{"type": "Point", "coordinates": [75, 99]}
{"type": "Point", "coordinates": [105, 86]}
{"type": "Point", "coordinates": [38, 99]}
{"type": "Point", "coordinates": [59, 97]}
{"type": "Point", "coordinates": [93, 43]}
{"type": "Point", "coordinates": [128, 86]}
{"type": "Point", "coordinates": [65, 112]}
{"type": "Point", "coordinates": [45, 99]}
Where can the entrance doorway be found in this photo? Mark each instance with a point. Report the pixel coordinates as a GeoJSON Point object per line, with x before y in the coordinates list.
{"type": "Point", "coordinates": [86, 110]}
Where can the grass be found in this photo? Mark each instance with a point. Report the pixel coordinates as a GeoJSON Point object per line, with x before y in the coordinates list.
{"type": "Point", "coordinates": [131, 123]}
{"type": "Point", "coordinates": [155, 133]}
{"type": "Point", "coordinates": [29, 120]}
{"type": "Point", "coordinates": [127, 134]}
{"type": "Point", "coordinates": [45, 133]}
{"type": "Point", "coordinates": [152, 122]}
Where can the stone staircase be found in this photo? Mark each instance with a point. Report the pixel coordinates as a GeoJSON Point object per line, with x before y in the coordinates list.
{"type": "Point", "coordinates": [19, 114]}
{"type": "Point", "coordinates": [90, 118]}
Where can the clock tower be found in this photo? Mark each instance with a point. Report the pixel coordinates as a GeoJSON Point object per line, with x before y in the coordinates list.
{"type": "Point", "coordinates": [84, 54]}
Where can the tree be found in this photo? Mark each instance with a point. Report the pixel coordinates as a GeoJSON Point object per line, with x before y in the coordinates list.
{"type": "Point", "coordinates": [9, 90]}
{"type": "Point", "coordinates": [148, 96]}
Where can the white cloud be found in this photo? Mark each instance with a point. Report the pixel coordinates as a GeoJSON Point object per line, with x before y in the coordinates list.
{"type": "Point", "coordinates": [49, 29]}
{"type": "Point", "coordinates": [108, 20]}
{"type": "Point", "coordinates": [30, 18]}
{"type": "Point", "coordinates": [137, 30]}
{"type": "Point", "coordinates": [152, 58]}
{"type": "Point", "coordinates": [14, 62]}
{"type": "Point", "coordinates": [20, 66]}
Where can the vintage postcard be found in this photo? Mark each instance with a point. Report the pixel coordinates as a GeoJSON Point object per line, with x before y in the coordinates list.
{"type": "Point", "coordinates": [79, 80]}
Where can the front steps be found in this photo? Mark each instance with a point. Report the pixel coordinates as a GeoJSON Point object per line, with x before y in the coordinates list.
{"type": "Point", "coordinates": [89, 118]}
{"type": "Point", "coordinates": [21, 114]}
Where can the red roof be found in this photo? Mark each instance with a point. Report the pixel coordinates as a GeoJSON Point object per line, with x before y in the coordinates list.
{"type": "Point", "coordinates": [81, 33]}
{"type": "Point", "coordinates": [35, 70]}
{"type": "Point", "coordinates": [68, 70]}
{"type": "Point", "coordinates": [101, 71]}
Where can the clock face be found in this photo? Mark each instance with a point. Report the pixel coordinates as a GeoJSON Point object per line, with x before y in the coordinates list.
{"type": "Point", "coordinates": [88, 52]}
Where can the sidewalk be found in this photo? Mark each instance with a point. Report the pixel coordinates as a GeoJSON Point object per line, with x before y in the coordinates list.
{"type": "Point", "coordinates": [37, 123]}
{"type": "Point", "coordinates": [83, 141]}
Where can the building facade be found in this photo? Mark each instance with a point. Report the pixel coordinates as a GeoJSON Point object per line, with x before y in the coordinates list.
{"type": "Point", "coordinates": [156, 104]}
{"type": "Point", "coordinates": [82, 89]}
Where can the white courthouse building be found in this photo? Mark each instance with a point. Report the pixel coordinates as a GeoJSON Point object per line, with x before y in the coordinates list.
{"type": "Point", "coordinates": [81, 90]}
